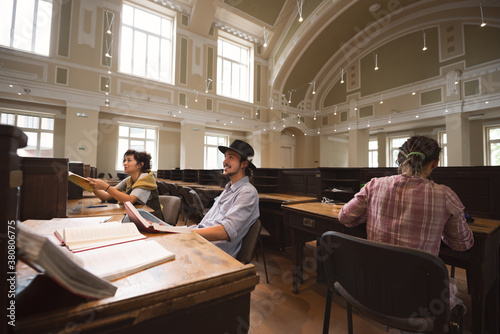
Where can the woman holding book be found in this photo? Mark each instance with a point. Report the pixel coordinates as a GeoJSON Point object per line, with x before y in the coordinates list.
{"type": "Point", "coordinates": [139, 187]}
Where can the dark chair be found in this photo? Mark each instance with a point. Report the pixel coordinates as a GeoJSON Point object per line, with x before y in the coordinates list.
{"type": "Point", "coordinates": [110, 176]}
{"type": "Point", "coordinates": [249, 244]}
{"type": "Point", "coordinates": [171, 208]}
{"type": "Point", "coordinates": [162, 188]}
{"type": "Point", "coordinates": [197, 204]}
{"type": "Point", "coordinates": [172, 189]}
{"type": "Point", "coordinates": [100, 176]}
{"type": "Point", "coordinates": [401, 287]}
{"type": "Point", "coordinates": [187, 207]}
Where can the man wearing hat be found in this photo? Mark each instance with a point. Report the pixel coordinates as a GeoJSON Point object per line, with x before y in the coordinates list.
{"type": "Point", "coordinates": [237, 208]}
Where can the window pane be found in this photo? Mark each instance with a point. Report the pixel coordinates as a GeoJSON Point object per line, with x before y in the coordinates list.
{"type": "Point", "coordinates": [211, 140]}
{"type": "Point", "coordinates": [43, 25]}
{"type": "Point", "coordinates": [6, 22]}
{"type": "Point", "coordinates": [137, 132]}
{"type": "Point", "coordinates": [46, 140]}
{"type": "Point", "coordinates": [398, 142]}
{"type": "Point", "coordinates": [165, 60]}
{"type": "Point", "coordinates": [137, 145]}
{"type": "Point", "coordinates": [123, 131]}
{"type": "Point", "coordinates": [166, 28]}
{"type": "Point", "coordinates": [444, 138]}
{"type": "Point", "coordinates": [32, 139]}
{"type": "Point", "coordinates": [23, 30]}
{"type": "Point", "coordinates": [31, 122]}
{"type": "Point", "coordinates": [147, 21]}
{"type": "Point", "coordinates": [128, 15]}
{"type": "Point", "coordinates": [222, 141]}
{"type": "Point", "coordinates": [150, 147]}
{"type": "Point", "coordinates": [495, 154]}
{"type": "Point", "coordinates": [372, 145]}
{"type": "Point", "coordinates": [212, 162]}
{"type": "Point", "coordinates": [153, 56]}
{"type": "Point", "coordinates": [139, 54]}
{"type": "Point", "coordinates": [9, 119]}
{"type": "Point", "coordinates": [494, 133]}
{"type": "Point", "coordinates": [126, 48]}
{"type": "Point", "coordinates": [47, 123]}
{"type": "Point", "coordinates": [150, 134]}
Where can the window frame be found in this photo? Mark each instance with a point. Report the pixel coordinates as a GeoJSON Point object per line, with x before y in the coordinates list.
{"type": "Point", "coordinates": [165, 14]}
{"type": "Point", "coordinates": [37, 148]}
{"type": "Point", "coordinates": [242, 44]}
{"type": "Point", "coordinates": [220, 156]}
{"type": "Point", "coordinates": [121, 151]}
{"type": "Point", "coordinates": [489, 142]}
{"type": "Point", "coordinates": [372, 152]}
{"type": "Point", "coordinates": [392, 149]}
{"type": "Point", "coordinates": [39, 36]}
{"type": "Point", "coordinates": [443, 143]}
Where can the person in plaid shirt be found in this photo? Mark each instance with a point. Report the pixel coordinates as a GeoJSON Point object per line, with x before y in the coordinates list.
{"type": "Point", "coordinates": [408, 209]}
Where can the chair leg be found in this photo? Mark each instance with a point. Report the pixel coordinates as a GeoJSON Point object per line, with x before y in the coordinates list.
{"type": "Point", "coordinates": [328, 310]}
{"type": "Point", "coordinates": [264, 259]}
{"type": "Point", "coordinates": [349, 318]}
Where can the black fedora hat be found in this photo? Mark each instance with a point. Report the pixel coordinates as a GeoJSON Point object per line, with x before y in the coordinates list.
{"type": "Point", "coordinates": [242, 148]}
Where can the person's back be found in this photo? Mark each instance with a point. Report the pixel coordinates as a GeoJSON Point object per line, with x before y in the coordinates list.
{"type": "Point", "coordinates": [409, 210]}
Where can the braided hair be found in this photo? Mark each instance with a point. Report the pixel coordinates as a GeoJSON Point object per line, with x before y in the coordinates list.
{"type": "Point", "coordinates": [416, 152]}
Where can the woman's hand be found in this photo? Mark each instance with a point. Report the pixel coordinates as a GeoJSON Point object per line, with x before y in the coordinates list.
{"type": "Point", "coordinates": [98, 184]}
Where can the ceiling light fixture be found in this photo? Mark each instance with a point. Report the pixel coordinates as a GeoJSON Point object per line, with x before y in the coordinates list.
{"type": "Point", "coordinates": [376, 62]}
{"type": "Point", "coordinates": [208, 85]}
{"type": "Point", "coordinates": [335, 111]}
{"type": "Point", "coordinates": [272, 104]}
{"type": "Point", "coordinates": [266, 35]}
{"type": "Point", "coordinates": [290, 97]}
{"type": "Point", "coordinates": [299, 7]}
{"type": "Point", "coordinates": [314, 86]}
{"type": "Point", "coordinates": [342, 76]}
{"type": "Point", "coordinates": [314, 114]}
{"type": "Point", "coordinates": [381, 99]}
{"type": "Point", "coordinates": [425, 46]}
{"type": "Point", "coordinates": [196, 98]}
{"type": "Point", "coordinates": [482, 17]}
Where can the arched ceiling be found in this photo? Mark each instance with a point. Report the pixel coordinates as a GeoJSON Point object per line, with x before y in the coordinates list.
{"type": "Point", "coordinates": [332, 35]}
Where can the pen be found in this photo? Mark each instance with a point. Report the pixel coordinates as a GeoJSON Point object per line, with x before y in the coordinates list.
{"type": "Point", "coordinates": [97, 206]}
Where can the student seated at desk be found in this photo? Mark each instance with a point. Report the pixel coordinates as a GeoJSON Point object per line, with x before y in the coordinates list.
{"type": "Point", "coordinates": [410, 210]}
{"type": "Point", "coordinates": [139, 187]}
{"type": "Point", "coordinates": [237, 208]}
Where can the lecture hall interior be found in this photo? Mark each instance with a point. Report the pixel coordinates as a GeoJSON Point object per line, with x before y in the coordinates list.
{"type": "Point", "coordinates": [325, 91]}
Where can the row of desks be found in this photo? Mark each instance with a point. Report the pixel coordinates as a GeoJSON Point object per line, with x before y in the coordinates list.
{"type": "Point", "coordinates": [202, 283]}
{"type": "Point", "coordinates": [308, 221]}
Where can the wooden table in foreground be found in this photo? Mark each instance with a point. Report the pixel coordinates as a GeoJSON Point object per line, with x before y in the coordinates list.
{"type": "Point", "coordinates": [308, 221]}
{"type": "Point", "coordinates": [80, 208]}
{"type": "Point", "coordinates": [204, 290]}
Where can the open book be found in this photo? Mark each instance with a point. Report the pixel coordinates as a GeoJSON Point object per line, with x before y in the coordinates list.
{"type": "Point", "coordinates": [81, 238]}
{"type": "Point", "coordinates": [80, 181]}
{"type": "Point", "coordinates": [44, 256]}
{"type": "Point", "coordinates": [151, 227]}
{"type": "Point", "coordinates": [85, 273]}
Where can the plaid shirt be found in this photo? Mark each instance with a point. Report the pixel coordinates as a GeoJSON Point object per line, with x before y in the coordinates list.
{"type": "Point", "coordinates": [410, 211]}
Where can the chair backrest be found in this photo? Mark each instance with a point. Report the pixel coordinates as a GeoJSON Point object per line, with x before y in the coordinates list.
{"type": "Point", "coordinates": [162, 188]}
{"type": "Point", "coordinates": [100, 176]}
{"type": "Point", "coordinates": [197, 204]}
{"type": "Point", "coordinates": [249, 242]}
{"type": "Point", "coordinates": [402, 287]}
{"type": "Point", "coordinates": [171, 208]}
{"type": "Point", "coordinates": [172, 189]}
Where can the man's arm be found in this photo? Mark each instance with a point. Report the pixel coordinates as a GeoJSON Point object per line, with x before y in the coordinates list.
{"type": "Point", "coordinates": [213, 233]}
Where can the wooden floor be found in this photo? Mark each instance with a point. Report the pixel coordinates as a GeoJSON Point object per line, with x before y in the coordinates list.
{"type": "Point", "coordinates": [275, 309]}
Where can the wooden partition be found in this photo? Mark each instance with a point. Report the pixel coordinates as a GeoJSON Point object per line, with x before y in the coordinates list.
{"type": "Point", "coordinates": [44, 194]}
{"type": "Point", "coordinates": [11, 179]}
{"type": "Point", "coordinates": [74, 191]}
{"type": "Point", "coordinates": [477, 187]}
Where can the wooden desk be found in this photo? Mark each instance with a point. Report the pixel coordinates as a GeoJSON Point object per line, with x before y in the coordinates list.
{"type": "Point", "coordinates": [308, 221]}
{"type": "Point", "coordinates": [271, 216]}
{"type": "Point", "coordinates": [79, 208]}
{"type": "Point", "coordinates": [204, 290]}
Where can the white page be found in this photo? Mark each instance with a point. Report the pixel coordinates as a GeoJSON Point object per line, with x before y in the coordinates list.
{"type": "Point", "coordinates": [124, 259]}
